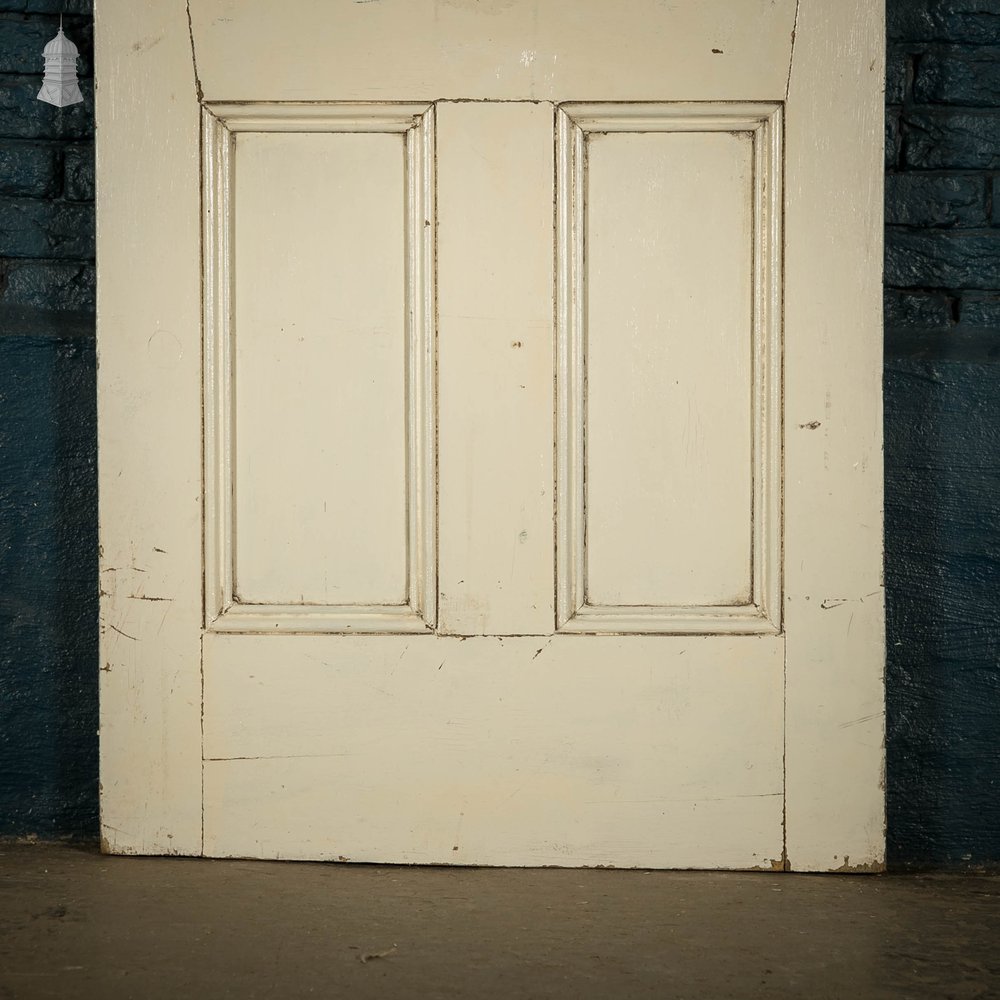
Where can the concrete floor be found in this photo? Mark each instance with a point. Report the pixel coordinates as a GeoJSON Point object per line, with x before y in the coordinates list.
{"type": "Point", "coordinates": [76, 924]}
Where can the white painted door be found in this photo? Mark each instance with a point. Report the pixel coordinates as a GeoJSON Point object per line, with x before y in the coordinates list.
{"type": "Point", "coordinates": [490, 431]}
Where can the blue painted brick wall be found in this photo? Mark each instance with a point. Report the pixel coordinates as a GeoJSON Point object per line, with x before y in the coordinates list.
{"type": "Point", "coordinates": [48, 510]}
{"type": "Point", "coordinates": [942, 427]}
{"type": "Point", "coordinates": [46, 165]}
{"type": "Point", "coordinates": [942, 308]}
{"type": "Point", "coordinates": [942, 263]}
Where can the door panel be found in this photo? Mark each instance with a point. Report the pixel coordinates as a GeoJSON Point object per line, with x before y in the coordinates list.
{"type": "Point", "coordinates": [669, 258]}
{"type": "Point", "coordinates": [318, 383]}
{"type": "Point", "coordinates": [492, 750]}
{"type": "Point", "coordinates": [668, 369]}
{"type": "Point", "coordinates": [517, 360]}
{"type": "Point", "coordinates": [319, 353]}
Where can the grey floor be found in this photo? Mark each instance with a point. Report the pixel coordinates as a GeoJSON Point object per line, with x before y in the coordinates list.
{"type": "Point", "coordinates": [76, 924]}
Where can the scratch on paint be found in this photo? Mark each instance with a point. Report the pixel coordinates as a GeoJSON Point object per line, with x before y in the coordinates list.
{"type": "Point", "coordinates": [862, 720]}
{"type": "Point", "coordinates": [833, 602]}
{"type": "Point", "coordinates": [145, 44]}
{"type": "Point", "coordinates": [541, 649]}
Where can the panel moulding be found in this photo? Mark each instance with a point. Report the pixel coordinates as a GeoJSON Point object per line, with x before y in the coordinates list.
{"type": "Point", "coordinates": [224, 612]}
{"type": "Point", "coordinates": [762, 612]}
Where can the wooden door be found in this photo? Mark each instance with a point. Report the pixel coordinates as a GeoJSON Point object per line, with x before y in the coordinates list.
{"type": "Point", "coordinates": [490, 431]}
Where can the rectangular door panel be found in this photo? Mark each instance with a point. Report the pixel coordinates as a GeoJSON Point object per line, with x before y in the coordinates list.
{"type": "Point", "coordinates": [668, 404]}
{"type": "Point", "coordinates": [571, 750]}
{"type": "Point", "coordinates": [669, 374]}
{"type": "Point", "coordinates": [319, 344]}
{"type": "Point", "coordinates": [319, 369]}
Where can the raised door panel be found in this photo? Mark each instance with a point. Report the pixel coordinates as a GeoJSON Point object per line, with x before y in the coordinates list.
{"type": "Point", "coordinates": [319, 348]}
{"type": "Point", "coordinates": [669, 368]}
{"type": "Point", "coordinates": [319, 389]}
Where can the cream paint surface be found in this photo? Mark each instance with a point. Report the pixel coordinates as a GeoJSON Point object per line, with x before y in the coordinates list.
{"type": "Point", "coordinates": [522, 746]}
{"type": "Point", "coordinates": [392, 50]}
{"type": "Point", "coordinates": [319, 367]}
{"type": "Point", "coordinates": [495, 368]}
{"type": "Point", "coordinates": [641, 289]}
{"type": "Point", "coordinates": [149, 433]}
{"type": "Point", "coordinates": [834, 592]}
{"type": "Point", "coordinates": [669, 281]}
{"type": "Point", "coordinates": [320, 350]}
{"type": "Point", "coordinates": [496, 750]}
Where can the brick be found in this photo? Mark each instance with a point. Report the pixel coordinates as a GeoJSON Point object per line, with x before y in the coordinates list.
{"type": "Point", "coordinates": [892, 138]}
{"type": "Point", "coordinates": [24, 117]}
{"type": "Point", "coordinates": [969, 77]}
{"type": "Point", "coordinates": [917, 310]}
{"type": "Point", "coordinates": [943, 140]}
{"type": "Point", "coordinates": [908, 21]}
{"type": "Point", "coordinates": [978, 310]}
{"type": "Point", "coordinates": [47, 284]}
{"type": "Point", "coordinates": [36, 228]}
{"type": "Point", "coordinates": [942, 259]}
{"type": "Point", "coordinates": [22, 39]}
{"type": "Point", "coordinates": [24, 321]}
{"type": "Point", "coordinates": [933, 200]}
{"type": "Point", "coordinates": [79, 176]}
{"type": "Point", "coordinates": [897, 71]}
{"type": "Point", "coordinates": [29, 169]}
{"type": "Point", "coordinates": [975, 22]}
